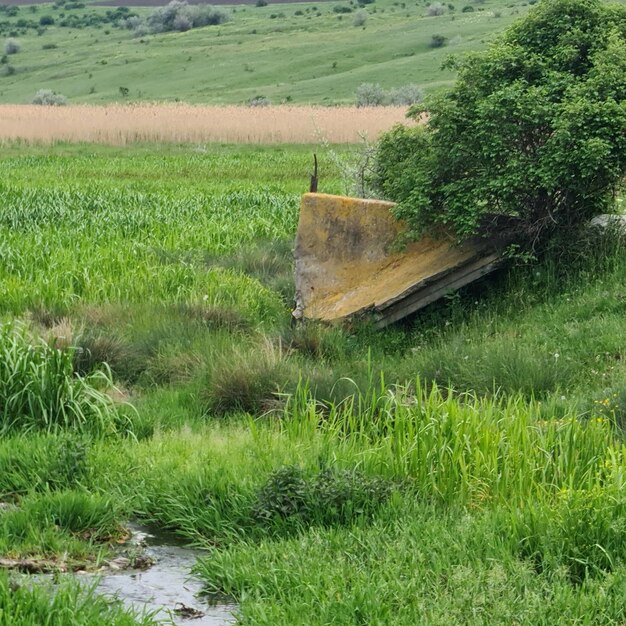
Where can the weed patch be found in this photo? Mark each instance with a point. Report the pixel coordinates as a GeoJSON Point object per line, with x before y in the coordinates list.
{"type": "Point", "coordinates": [290, 498]}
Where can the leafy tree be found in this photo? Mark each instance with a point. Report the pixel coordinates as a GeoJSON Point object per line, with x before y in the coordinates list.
{"type": "Point", "coordinates": [532, 135]}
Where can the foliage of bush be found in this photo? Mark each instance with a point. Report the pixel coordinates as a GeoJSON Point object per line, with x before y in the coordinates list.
{"type": "Point", "coordinates": [438, 41]}
{"type": "Point", "coordinates": [434, 9]}
{"type": "Point", "coordinates": [373, 95]}
{"type": "Point", "coordinates": [331, 497]}
{"type": "Point", "coordinates": [259, 101]}
{"type": "Point", "coordinates": [12, 46]}
{"type": "Point", "coordinates": [533, 134]}
{"type": "Point", "coordinates": [405, 95]}
{"type": "Point", "coordinates": [177, 16]}
{"type": "Point", "coordinates": [48, 97]}
{"type": "Point", "coordinates": [46, 20]}
{"type": "Point", "coordinates": [370, 95]}
{"type": "Point", "coordinates": [10, 10]}
{"type": "Point", "coordinates": [360, 18]}
{"type": "Point", "coordinates": [115, 17]}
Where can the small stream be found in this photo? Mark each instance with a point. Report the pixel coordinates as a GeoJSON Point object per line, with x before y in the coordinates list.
{"type": "Point", "coordinates": [166, 585]}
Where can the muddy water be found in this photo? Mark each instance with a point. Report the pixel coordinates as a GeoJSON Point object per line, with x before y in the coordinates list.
{"type": "Point", "coordinates": [166, 585]}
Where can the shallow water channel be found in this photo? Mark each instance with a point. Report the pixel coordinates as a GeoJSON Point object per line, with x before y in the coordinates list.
{"type": "Point", "coordinates": [165, 586]}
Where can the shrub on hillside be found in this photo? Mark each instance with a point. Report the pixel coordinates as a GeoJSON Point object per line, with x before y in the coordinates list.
{"type": "Point", "coordinates": [177, 16]}
{"type": "Point", "coordinates": [12, 46]}
{"type": "Point", "coordinates": [373, 95]}
{"type": "Point", "coordinates": [438, 41]}
{"type": "Point", "coordinates": [46, 20]}
{"type": "Point", "coordinates": [47, 97]}
{"type": "Point", "coordinates": [259, 101]}
{"type": "Point", "coordinates": [370, 95]}
{"type": "Point", "coordinates": [360, 18]}
{"type": "Point", "coordinates": [405, 95]}
{"type": "Point", "coordinates": [532, 137]}
{"type": "Point", "coordinates": [434, 9]}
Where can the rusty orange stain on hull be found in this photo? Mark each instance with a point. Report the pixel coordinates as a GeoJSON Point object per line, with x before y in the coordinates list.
{"type": "Point", "coordinates": [346, 262]}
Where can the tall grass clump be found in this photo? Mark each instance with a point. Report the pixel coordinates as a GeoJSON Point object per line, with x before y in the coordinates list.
{"type": "Point", "coordinates": [69, 603]}
{"type": "Point", "coordinates": [42, 463]}
{"type": "Point", "coordinates": [88, 515]}
{"type": "Point", "coordinates": [464, 448]}
{"type": "Point", "coordinates": [247, 381]}
{"type": "Point", "coordinates": [62, 530]}
{"type": "Point", "coordinates": [40, 391]}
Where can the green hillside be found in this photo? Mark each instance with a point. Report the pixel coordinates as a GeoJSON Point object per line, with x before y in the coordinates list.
{"type": "Point", "coordinates": [297, 53]}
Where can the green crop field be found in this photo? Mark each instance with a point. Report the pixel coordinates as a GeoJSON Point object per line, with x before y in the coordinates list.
{"type": "Point", "coordinates": [465, 467]}
{"type": "Point", "coordinates": [301, 53]}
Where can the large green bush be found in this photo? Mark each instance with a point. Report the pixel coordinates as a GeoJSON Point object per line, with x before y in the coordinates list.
{"type": "Point", "coordinates": [534, 129]}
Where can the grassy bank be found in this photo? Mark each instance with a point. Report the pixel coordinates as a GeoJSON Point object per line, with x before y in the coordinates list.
{"type": "Point", "coordinates": [465, 467]}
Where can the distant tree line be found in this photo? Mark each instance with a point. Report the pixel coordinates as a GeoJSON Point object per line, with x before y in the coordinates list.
{"type": "Point", "coordinates": [178, 15]}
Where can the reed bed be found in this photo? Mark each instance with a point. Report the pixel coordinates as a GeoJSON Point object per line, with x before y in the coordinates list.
{"type": "Point", "coordinates": [182, 123]}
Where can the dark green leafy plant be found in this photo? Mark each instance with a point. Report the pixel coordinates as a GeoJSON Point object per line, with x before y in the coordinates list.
{"type": "Point", "coordinates": [533, 130]}
{"type": "Point", "coordinates": [290, 497]}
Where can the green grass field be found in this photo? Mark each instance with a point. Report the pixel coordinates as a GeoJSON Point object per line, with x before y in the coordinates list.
{"type": "Point", "coordinates": [301, 53]}
{"type": "Point", "coordinates": [465, 467]}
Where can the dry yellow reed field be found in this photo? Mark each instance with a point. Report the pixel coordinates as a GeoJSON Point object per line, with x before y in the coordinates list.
{"type": "Point", "coordinates": [181, 123]}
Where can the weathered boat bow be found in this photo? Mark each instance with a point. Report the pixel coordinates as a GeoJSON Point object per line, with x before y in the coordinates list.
{"type": "Point", "coordinates": [348, 262]}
